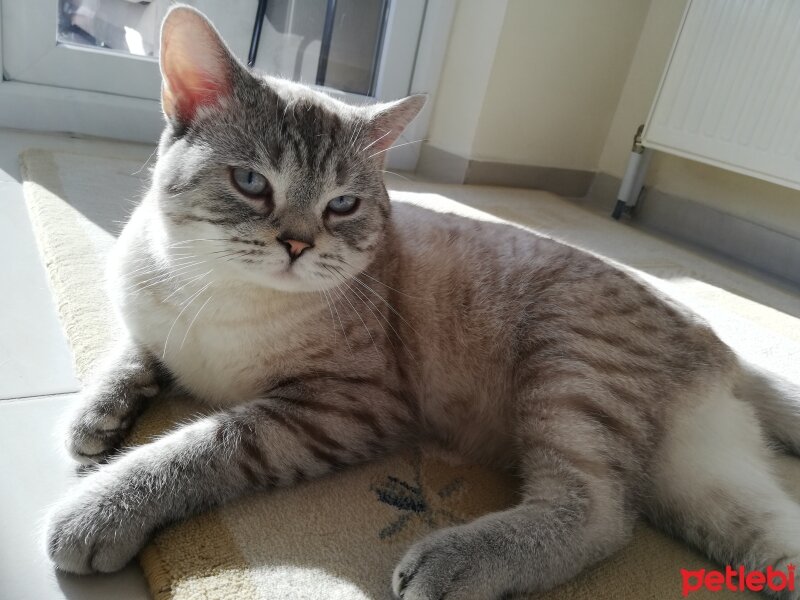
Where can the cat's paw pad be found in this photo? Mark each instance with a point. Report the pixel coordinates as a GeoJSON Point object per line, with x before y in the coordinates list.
{"type": "Point", "coordinates": [90, 534]}
{"type": "Point", "coordinates": [92, 436]}
{"type": "Point", "coordinates": [101, 425]}
{"type": "Point", "coordinates": [451, 564]}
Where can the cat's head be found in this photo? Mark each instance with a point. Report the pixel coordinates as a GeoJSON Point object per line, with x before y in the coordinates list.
{"type": "Point", "coordinates": [267, 180]}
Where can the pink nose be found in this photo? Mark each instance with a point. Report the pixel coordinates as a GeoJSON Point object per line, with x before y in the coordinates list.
{"type": "Point", "coordinates": [294, 247]}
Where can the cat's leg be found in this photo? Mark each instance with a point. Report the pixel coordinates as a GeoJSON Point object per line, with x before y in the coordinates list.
{"type": "Point", "coordinates": [575, 511]}
{"type": "Point", "coordinates": [715, 487]}
{"type": "Point", "coordinates": [777, 403]}
{"type": "Point", "coordinates": [110, 514]}
{"type": "Point", "coordinates": [569, 520]}
{"type": "Point", "coordinates": [111, 401]}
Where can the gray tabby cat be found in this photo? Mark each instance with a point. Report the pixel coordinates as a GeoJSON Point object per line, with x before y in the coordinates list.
{"type": "Point", "coordinates": [267, 221]}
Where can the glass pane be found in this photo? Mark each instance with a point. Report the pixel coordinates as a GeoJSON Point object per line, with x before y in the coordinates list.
{"type": "Point", "coordinates": [294, 42]}
{"type": "Point", "coordinates": [120, 25]}
{"type": "Point", "coordinates": [335, 43]}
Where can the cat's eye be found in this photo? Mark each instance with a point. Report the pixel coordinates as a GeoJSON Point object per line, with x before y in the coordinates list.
{"type": "Point", "coordinates": [343, 205]}
{"type": "Point", "coordinates": [250, 183]}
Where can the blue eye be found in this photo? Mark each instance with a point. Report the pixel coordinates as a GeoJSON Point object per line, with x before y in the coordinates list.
{"type": "Point", "coordinates": [343, 205]}
{"type": "Point", "coordinates": [249, 182]}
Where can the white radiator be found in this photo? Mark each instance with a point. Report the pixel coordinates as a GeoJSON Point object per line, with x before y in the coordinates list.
{"type": "Point", "coordinates": [730, 94]}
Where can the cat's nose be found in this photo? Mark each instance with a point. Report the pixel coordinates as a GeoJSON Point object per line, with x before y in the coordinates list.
{"type": "Point", "coordinates": [293, 246]}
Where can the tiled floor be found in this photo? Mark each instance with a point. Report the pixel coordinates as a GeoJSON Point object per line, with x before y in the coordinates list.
{"type": "Point", "coordinates": [37, 384]}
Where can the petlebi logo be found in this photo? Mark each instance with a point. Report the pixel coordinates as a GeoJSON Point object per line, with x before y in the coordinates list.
{"type": "Point", "coordinates": [738, 580]}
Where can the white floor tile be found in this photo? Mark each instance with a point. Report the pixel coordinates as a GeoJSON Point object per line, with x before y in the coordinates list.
{"type": "Point", "coordinates": [36, 472]}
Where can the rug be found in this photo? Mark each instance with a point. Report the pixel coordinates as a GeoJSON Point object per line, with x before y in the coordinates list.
{"type": "Point", "coordinates": [340, 537]}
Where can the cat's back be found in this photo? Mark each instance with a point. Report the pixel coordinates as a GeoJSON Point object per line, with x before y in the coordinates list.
{"type": "Point", "coordinates": [495, 300]}
{"type": "Point", "coordinates": [486, 265]}
{"type": "Point", "coordinates": [495, 268]}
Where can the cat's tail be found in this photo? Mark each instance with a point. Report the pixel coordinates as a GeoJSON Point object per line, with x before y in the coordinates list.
{"type": "Point", "coordinates": [777, 403]}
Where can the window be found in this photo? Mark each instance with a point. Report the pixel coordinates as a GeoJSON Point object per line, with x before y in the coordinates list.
{"type": "Point", "coordinates": [99, 57]}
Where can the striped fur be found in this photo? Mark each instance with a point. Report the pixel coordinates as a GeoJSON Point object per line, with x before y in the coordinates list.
{"type": "Point", "coordinates": [610, 401]}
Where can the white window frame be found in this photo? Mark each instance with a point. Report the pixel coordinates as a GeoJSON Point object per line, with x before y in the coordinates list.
{"type": "Point", "coordinates": [60, 109]}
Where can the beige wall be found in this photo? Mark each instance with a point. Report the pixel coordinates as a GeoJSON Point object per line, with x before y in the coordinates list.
{"type": "Point", "coordinates": [557, 77]}
{"type": "Point", "coordinates": [465, 74]}
{"type": "Point", "coordinates": [545, 94]}
{"type": "Point", "coordinates": [771, 205]}
{"type": "Point", "coordinates": [650, 57]}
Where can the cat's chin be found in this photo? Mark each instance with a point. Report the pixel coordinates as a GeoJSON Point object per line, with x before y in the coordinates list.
{"type": "Point", "coordinates": [290, 281]}
{"type": "Point", "coordinates": [297, 278]}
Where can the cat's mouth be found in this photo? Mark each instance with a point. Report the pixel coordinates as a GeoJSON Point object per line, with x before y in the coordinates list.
{"type": "Point", "coordinates": [289, 272]}
{"type": "Point", "coordinates": [290, 278]}
{"type": "Point", "coordinates": [290, 269]}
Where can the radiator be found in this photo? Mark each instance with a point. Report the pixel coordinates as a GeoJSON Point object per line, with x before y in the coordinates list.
{"type": "Point", "coordinates": [730, 93]}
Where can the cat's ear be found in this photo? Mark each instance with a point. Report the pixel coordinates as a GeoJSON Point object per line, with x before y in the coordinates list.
{"type": "Point", "coordinates": [387, 121]}
{"type": "Point", "coordinates": [196, 65]}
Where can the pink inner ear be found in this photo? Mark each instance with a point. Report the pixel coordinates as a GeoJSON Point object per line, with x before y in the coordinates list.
{"type": "Point", "coordinates": [389, 123]}
{"type": "Point", "coordinates": [197, 89]}
{"type": "Point", "coordinates": [195, 73]}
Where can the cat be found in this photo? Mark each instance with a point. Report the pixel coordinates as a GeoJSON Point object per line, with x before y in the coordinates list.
{"type": "Point", "coordinates": [267, 273]}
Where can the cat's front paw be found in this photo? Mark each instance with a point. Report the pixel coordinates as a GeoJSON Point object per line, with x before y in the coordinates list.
{"type": "Point", "coordinates": [103, 420]}
{"type": "Point", "coordinates": [91, 531]}
{"type": "Point", "coordinates": [451, 564]}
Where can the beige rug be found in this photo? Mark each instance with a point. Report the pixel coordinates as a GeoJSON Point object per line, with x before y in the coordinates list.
{"type": "Point", "coordinates": [339, 537]}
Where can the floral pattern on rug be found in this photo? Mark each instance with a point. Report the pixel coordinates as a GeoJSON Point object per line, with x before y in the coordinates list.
{"type": "Point", "coordinates": [417, 500]}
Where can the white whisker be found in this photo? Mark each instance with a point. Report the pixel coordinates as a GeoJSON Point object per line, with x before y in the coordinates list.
{"type": "Point", "coordinates": [386, 302]}
{"type": "Point", "coordinates": [371, 144]}
{"type": "Point", "coordinates": [339, 318]}
{"type": "Point", "coordinates": [364, 297]}
{"type": "Point", "coordinates": [190, 281]}
{"type": "Point", "coordinates": [369, 333]}
{"type": "Point", "coordinates": [379, 282]}
{"type": "Point", "coordinates": [188, 304]}
{"type": "Point", "coordinates": [188, 329]}
{"type": "Point", "coordinates": [164, 276]}
{"type": "Point", "coordinates": [182, 242]}
{"type": "Point", "coordinates": [324, 294]}
{"type": "Point", "coordinates": [396, 175]}
{"type": "Point", "coordinates": [140, 169]}
{"type": "Point", "coordinates": [395, 146]}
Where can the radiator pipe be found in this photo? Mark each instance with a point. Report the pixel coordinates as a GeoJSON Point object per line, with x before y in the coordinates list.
{"type": "Point", "coordinates": [633, 180]}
